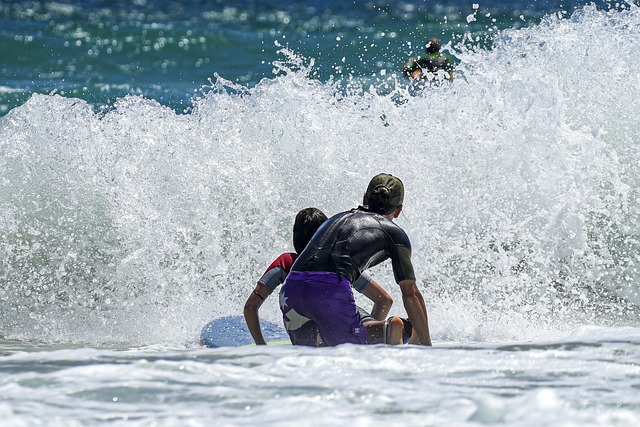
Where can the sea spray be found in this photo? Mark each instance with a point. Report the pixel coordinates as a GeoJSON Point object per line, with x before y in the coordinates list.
{"type": "Point", "coordinates": [136, 225]}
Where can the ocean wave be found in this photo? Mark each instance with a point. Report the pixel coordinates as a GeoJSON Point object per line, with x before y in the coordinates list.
{"type": "Point", "coordinates": [135, 224]}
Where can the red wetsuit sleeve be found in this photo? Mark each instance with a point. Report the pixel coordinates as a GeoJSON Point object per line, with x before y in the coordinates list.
{"type": "Point", "coordinates": [284, 261]}
{"type": "Point", "coordinates": [276, 273]}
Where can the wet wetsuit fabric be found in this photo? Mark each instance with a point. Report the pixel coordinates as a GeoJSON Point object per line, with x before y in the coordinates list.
{"type": "Point", "coordinates": [277, 272]}
{"type": "Point", "coordinates": [315, 295]}
{"type": "Point", "coordinates": [351, 242]}
{"type": "Point", "coordinates": [427, 67]}
{"type": "Point", "coordinates": [434, 62]}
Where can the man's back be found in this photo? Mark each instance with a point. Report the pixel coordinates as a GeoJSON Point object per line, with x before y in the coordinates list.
{"type": "Point", "coordinates": [350, 242]}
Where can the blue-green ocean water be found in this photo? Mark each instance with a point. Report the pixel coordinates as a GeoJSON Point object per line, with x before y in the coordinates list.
{"type": "Point", "coordinates": [100, 51]}
{"type": "Point", "coordinates": [153, 156]}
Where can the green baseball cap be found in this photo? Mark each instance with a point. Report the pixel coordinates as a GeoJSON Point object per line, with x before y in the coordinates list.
{"type": "Point", "coordinates": [389, 200]}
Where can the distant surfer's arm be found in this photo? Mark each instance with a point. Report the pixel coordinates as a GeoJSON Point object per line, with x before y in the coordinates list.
{"type": "Point", "coordinates": [417, 312]}
{"type": "Point", "coordinates": [382, 301]}
{"type": "Point", "coordinates": [251, 307]}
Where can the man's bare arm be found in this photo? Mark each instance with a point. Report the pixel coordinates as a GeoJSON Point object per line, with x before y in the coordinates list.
{"type": "Point", "coordinates": [417, 312]}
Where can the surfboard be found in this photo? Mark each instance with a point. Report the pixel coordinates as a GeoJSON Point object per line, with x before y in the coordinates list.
{"type": "Point", "coordinates": [232, 331]}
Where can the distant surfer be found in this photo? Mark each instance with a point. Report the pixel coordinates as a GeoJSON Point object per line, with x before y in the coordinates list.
{"type": "Point", "coordinates": [379, 330]}
{"type": "Point", "coordinates": [428, 67]}
{"type": "Point", "coordinates": [316, 297]}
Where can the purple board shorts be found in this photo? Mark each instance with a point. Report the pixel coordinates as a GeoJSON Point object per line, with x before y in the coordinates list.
{"type": "Point", "coordinates": [315, 302]}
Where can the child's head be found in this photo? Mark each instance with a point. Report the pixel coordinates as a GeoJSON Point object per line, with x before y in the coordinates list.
{"type": "Point", "coordinates": [307, 222]}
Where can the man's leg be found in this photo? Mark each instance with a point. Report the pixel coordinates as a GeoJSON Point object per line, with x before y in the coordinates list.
{"type": "Point", "coordinates": [329, 302]}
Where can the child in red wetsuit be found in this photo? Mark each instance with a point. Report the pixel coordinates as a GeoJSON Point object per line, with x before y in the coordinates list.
{"type": "Point", "coordinates": [306, 223]}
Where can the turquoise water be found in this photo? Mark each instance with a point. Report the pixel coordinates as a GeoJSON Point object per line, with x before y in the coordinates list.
{"type": "Point", "coordinates": [99, 51]}
{"type": "Point", "coordinates": [145, 186]}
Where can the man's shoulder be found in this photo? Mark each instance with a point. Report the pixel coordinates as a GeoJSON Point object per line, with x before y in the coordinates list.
{"type": "Point", "coordinates": [373, 219]}
{"type": "Point", "coordinates": [396, 232]}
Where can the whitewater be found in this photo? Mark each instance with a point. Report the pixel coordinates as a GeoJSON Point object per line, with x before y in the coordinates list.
{"type": "Point", "coordinates": [124, 230]}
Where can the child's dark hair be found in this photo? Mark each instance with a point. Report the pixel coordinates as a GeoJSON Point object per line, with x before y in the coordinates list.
{"type": "Point", "coordinates": [307, 222]}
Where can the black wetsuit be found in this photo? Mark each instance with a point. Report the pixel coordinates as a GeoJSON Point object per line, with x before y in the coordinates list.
{"type": "Point", "coordinates": [428, 66]}
{"type": "Point", "coordinates": [434, 62]}
{"type": "Point", "coordinates": [350, 242]}
{"type": "Point", "coordinates": [316, 296]}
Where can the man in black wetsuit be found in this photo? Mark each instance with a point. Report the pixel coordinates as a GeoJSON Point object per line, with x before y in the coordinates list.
{"type": "Point", "coordinates": [317, 297]}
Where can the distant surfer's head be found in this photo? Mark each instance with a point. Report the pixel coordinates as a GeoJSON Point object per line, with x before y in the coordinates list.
{"type": "Point", "coordinates": [432, 46]}
{"type": "Point", "coordinates": [307, 222]}
{"type": "Point", "coordinates": [385, 194]}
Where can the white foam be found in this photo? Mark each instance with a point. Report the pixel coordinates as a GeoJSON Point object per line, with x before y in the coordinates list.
{"type": "Point", "coordinates": [136, 225]}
